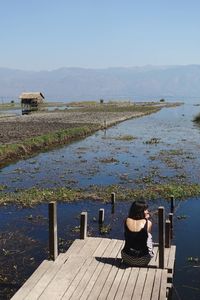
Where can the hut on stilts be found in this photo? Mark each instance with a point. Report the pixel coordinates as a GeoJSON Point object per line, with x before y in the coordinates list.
{"type": "Point", "coordinates": [31, 101]}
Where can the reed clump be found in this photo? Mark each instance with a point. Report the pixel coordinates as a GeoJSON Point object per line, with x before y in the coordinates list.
{"type": "Point", "coordinates": [197, 118]}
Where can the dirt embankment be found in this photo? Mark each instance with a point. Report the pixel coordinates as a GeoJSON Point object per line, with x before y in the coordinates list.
{"type": "Point", "coordinates": [18, 128]}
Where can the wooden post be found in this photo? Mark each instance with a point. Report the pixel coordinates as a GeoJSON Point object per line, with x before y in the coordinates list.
{"type": "Point", "coordinates": [53, 236]}
{"type": "Point", "coordinates": [83, 225]}
{"type": "Point", "coordinates": [171, 223]}
{"type": "Point", "coordinates": [172, 204]}
{"type": "Point", "coordinates": [113, 198]}
{"type": "Point", "coordinates": [101, 215]}
{"type": "Point", "coordinates": [161, 236]}
{"type": "Point", "coordinates": [167, 234]}
{"type": "Point", "coordinates": [113, 202]}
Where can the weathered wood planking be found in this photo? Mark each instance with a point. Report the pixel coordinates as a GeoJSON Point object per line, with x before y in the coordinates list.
{"type": "Point", "coordinates": [93, 269]}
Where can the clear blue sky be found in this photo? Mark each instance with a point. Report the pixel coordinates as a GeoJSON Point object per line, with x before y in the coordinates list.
{"type": "Point", "coordinates": [49, 34]}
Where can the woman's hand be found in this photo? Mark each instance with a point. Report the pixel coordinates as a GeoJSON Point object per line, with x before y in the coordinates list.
{"type": "Point", "coordinates": [146, 214]}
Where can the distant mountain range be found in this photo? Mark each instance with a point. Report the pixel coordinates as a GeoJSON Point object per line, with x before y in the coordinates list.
{"type": "Point", "coordinates": [113, 83]}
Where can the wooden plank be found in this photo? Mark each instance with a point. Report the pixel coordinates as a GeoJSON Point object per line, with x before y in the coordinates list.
{"type": "Point", "coordinates": [84, 281]}
{"type": "Point", "coordinates": [163, 286]}
{"type": "Point", "coordinates": [115, 284]}
{"type": "Point", "coordinates": [171, 260]}
{"type": "Point", "coordinates": [122, 246]}
{"type": "Point", "coordinates": [137, 293]}
{"type": "Point", "coordinates": [154, 261]}
{"type": "Point", "coordinates": [123, 283]}
{"type": "Point", "coordinates": [74, 284]}
{"type": "Point", "coordinates": [128, 292]}
{"type": "Point", "coordinates": [166, 255]}
{"type": "Point", "coordinates": [56, 289]}
{"type": "Point", "coordinates": [156, 286]}
{"type": "Point", "coordinates": [109, 281]}
{"type": "Point", "coordinates": [91, 270]}
{"type": "Point", "coordinates": [110, 253]}
{"type": "Point", "coordinates": [91, 282]}
{"type": "Point", "coordinates": [43, 282]}
{"type": "Point", "coordinates": [101, 248]}
{"type": "Point", "coordinates": [148, 284]}
{"type": "Point", "coordinates": [96, 290]}
{"type": "Point", "coordinates": [74, 249]}
{"type": "Point", "coordinates": [109, 249]}
{"type": "Point", "coordinates": [89, 248]}
{"type": "Point", "coordinates": [32, 281]}
{"type": "Point", "coordinates": [117, 250]}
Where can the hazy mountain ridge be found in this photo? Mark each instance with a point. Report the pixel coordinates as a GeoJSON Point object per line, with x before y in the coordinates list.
{"type": "Point", "coordinates": [84, 84]}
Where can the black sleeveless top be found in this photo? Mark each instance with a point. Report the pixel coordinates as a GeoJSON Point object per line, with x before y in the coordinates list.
{"type": "Point", "coordinates": [136, 241]}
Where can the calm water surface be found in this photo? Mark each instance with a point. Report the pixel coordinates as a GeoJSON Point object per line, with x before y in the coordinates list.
{"type": "Point", "coordinates": [86, 163]}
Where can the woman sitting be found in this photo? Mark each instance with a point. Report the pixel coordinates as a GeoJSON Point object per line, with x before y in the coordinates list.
{"type": "Point", "coordinates": [138, 249]}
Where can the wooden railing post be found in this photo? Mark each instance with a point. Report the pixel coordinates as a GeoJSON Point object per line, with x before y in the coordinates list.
{"type": "Point", "coordinates": [53, 235]}
{"type": "Point", "coordinates": [101, 215]}
{"type": "Point", "coordinates": [167, 234]}
{"type": "Point", "coordinates": [113, 202]}
{"type": "Point", "coordinates": [171, 215]}
{"type": "Point", "coordinates": [83, 225]}
{"type": "Point", "coordinates": [172, 204]}
{"type": "Point", "coordinates": [161, 236]}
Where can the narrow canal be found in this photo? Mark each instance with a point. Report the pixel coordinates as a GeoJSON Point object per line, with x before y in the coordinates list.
{"type": "Point", "coordinates": [161, 147]}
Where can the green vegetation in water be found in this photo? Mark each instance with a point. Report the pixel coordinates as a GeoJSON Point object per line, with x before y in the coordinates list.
{"type": "Point", "coordinates": [192, 259]}
{"type": "Point", "coordinates": [3, 187]}
{"type": "Point", "coordinates": [153, 141]}
{"type": "Point", "coordinates": [108, 160]}
{"type": "Point", "coordinates": [121, 137]}
{"type": "Point", "coordinates": [76, 229]}
{"type": "Point", "coordinates": [104, 229]}
{"type": "Point", "coordinates": [182, 217]}
{"type": "Point", "coordinates": [173, 158]}
{"type": "Point", "coordinates": [30, 197]}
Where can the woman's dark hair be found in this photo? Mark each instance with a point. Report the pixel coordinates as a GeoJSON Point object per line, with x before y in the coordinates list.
{"type": "Point", "coordinates": [137, 209]}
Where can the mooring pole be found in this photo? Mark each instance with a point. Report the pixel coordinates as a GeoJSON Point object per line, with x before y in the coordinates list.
{"type": "Point", "coordinates": [53, 235]}
{"type": "Point", "coordinates": [101, 215]}
{"type": "Point", "coordinates": [161, 236]}
{"type": "Point", "coordinates": [113, 202]}
{"type": "Point", "coordinates": [83, 225]}
{"type": "Point", "coordinates": [171, 218]}
{"type": "Point", "coordinates": [172, 204]}
{"type": "Point", "coordinates": [167, 234]}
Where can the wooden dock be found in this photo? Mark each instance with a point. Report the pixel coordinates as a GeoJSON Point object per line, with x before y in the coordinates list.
{"type": "Point", "coordinates": [92, 269]}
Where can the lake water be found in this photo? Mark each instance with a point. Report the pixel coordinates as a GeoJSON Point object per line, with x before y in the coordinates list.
{"type": "Point", "coordinates": [104, 159]}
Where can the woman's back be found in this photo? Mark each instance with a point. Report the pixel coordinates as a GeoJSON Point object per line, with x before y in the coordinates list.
{"type": "Point", "coordinates": [136, 235]}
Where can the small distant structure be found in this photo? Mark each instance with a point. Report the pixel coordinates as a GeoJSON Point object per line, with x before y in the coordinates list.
{"type": "Point", "coordinates": [31, 101]}
{"type": "Point", "coordinates": [101, 101]}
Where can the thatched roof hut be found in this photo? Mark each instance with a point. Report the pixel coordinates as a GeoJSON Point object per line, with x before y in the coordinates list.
{"type": "Point", "coordinates": [32, 99]}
